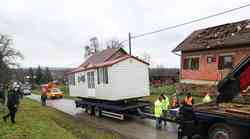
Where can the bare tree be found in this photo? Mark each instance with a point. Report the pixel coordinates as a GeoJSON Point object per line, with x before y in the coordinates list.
{"type": "Point", "coordinates": [8, 56]}
{"type": "Point", "coordinates": [94, 44]}
{"type": "Point", "coordinates": [87, 51]}
{"type": "Point", "coordinates": [92, 48]}
{"type": "Point", "coordinates": [114, 44]}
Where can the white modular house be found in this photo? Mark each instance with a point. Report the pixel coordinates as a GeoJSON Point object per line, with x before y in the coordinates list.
{"type": "Point", "coordinates": [110, 75]}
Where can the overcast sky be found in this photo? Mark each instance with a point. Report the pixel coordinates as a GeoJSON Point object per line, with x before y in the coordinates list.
{"type": "Point", "coordinates": [53, 32]}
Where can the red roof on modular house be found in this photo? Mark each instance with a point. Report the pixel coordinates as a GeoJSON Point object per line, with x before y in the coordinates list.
{"type": "Point", "coordinates": [222, 36]}
{"type": "Point", "coordinates": [107, 57]}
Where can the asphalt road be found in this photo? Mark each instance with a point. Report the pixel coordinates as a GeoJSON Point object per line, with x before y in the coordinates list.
{"type": "Point", "coordinates": [131, 128]}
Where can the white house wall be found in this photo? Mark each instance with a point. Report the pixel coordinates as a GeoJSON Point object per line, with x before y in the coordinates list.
{"type": "Point", "coordinates": [80, 88]}
{"type": "Point", "coordinates": [128, 79]}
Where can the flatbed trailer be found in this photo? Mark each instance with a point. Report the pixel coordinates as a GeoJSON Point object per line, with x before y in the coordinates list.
{"type": "Point", "coordinates": [120, 109]}
{"type": "Point", "coordinates": [223, 118]}
{"type": "Point", "coordinates": [114, 109]}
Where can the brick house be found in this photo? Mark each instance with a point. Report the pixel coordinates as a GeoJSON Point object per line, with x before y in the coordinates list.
{"type": "Point", "coordinates": [208, 55]}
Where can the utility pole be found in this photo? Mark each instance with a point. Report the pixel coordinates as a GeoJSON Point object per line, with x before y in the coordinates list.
{"type": "Point", "coordinates": [129, 43]}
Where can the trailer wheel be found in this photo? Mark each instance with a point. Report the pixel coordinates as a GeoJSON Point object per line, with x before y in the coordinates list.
{"type": "Point", "coordinates": [97, 112]}
{"type": "Point", "coordinates": [223, 131]}
{"type": "Point", "coordinates": [89, 110]}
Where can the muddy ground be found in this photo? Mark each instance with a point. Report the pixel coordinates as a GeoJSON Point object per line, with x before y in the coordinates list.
{"type": "Point", "coordinates": [131, 128]}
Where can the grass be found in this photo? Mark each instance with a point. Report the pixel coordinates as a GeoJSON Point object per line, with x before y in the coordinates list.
{"type": "Point", "coordinates": [36, 91]}
{"type": "Point", "coordinates": [36, 122]}
{"type": "Point", "coordinates": [166, 89]}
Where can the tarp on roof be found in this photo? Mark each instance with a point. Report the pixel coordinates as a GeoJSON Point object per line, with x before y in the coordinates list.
{"type": "Point", "coordinates": [227, 35]}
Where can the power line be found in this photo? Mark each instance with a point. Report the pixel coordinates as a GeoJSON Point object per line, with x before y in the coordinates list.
{"type": "Point", "coordinates": [189, 22]}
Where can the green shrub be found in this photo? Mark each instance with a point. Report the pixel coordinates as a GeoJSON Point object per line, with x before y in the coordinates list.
{"type": "Point", "coordinates": [166, 89]}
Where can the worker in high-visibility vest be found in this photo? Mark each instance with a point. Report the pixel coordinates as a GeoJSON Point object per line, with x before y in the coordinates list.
{"type": "Point", "coordinates": [158, 112]}
{"type": "Point", "coordinates": [189, 101]}
{"type": "Point", "coordinates": [175, 102]}
{"type": "Point", "coordinates": [207, 98]}
{"type": "Point", "coordinates": [165, 106]}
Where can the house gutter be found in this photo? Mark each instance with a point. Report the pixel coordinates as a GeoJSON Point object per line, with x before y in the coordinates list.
{"type": "Point", "coordinates": [176, 53]}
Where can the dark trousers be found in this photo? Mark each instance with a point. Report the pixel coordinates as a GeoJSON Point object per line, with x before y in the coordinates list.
{"type": "Point", "coordinates": [11, 114]}
{"type": "Point", "coordinates": [43, 102]}
{"type": "Point", "coordinates": [158, 122]}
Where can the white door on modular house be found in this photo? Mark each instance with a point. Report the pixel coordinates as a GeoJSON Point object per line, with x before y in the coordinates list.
{"type": "Point", "coordinates": [91, 83]}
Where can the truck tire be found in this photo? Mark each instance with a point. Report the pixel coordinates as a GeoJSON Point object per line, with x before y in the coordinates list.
{"type": "Point", "coordinates": [89, 110]}
{"type": "Point", "coordinates": [98, 112]}
{"type": "Point", "coordinates": [223, 131]}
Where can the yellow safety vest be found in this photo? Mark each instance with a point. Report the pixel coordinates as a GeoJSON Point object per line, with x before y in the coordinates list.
{"type": "Point", "coordinates": [165, 103]}
{"type": "Point", "coordinates": [206, 99]}
{"type": "Point", "coordinates": [158, 109]}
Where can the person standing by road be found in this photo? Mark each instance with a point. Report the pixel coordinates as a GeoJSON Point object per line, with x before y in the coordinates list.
{"type": "Point", "coordinates": [2, 97]}
{"type": "Point", "coordinates": [2, 94]}
{"type": "Point", "coordinates": [165, 107]}
{"type": "Point", "coordinates": [12, 104]}
{"type": "Point", "coordinates": [175, 102]}
{"type": "Point", "coordinates": [189, 100]}
{"type": "Point", "coordinates": [19, 90]}
{"type": "Point", "coordinates": [207, 98]}
{"type": "Point", "coordinates": [158, 111]}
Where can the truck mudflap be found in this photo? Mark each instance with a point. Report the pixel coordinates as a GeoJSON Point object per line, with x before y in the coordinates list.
{"type": "Point", "coordinates": [151, 116]}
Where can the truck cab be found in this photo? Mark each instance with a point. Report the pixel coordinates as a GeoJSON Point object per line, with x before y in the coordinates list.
{"type": "Point", "coordinates": [52, 91]}
{"type": "Point", "coordinates": [227, 117]}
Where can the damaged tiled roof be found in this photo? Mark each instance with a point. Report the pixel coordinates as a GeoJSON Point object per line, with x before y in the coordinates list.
{"type": "Point", "coordinates": [101, 57]}
{"type": "Point", "coordinates": [226, 35]}
{"type": "Point", "coordinates": [107, 57]}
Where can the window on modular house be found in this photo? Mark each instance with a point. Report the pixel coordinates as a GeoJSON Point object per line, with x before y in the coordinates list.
{"type": "Point", "coordinates": [81, 78]}
{"type": "Point", "coordinates": [102, 75]}
{"type": "Point", "coordinates": [225, 62]}
{"type": "Point", "coordinates": [191, 63]}
{"type": "Point", "coordinates": [71, 79]}
{"type": "Point", "coordinates": [91, 79]}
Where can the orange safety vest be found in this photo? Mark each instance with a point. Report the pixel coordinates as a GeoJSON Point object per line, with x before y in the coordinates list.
{"type": "Point", "coordinates": [189, 101]}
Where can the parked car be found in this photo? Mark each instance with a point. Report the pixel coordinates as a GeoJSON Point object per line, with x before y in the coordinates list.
{"type": "Point", "coordinates": [27, 91]}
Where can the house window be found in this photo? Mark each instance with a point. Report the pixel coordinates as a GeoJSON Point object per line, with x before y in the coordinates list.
{"type": "Point", "coordinates": [81, 78]}
{"type": "Point", "coordinates": [211, 59]}
{"type": "Point", "coordinates": [191, 63]}
{"type": "Point", "coordinates": [102, 75]}
{"type": "Point", "coordinates": [71, 79]}
{"type": "Point", "coordinates": [91, 79]}
{"type": "Point", "coordinates": [225, 62]}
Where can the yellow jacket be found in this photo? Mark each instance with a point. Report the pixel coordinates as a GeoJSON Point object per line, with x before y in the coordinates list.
{"type": "Point", "coordinates": [158, 108]}
{"type": "Point", "coordinates": [207, 99]}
